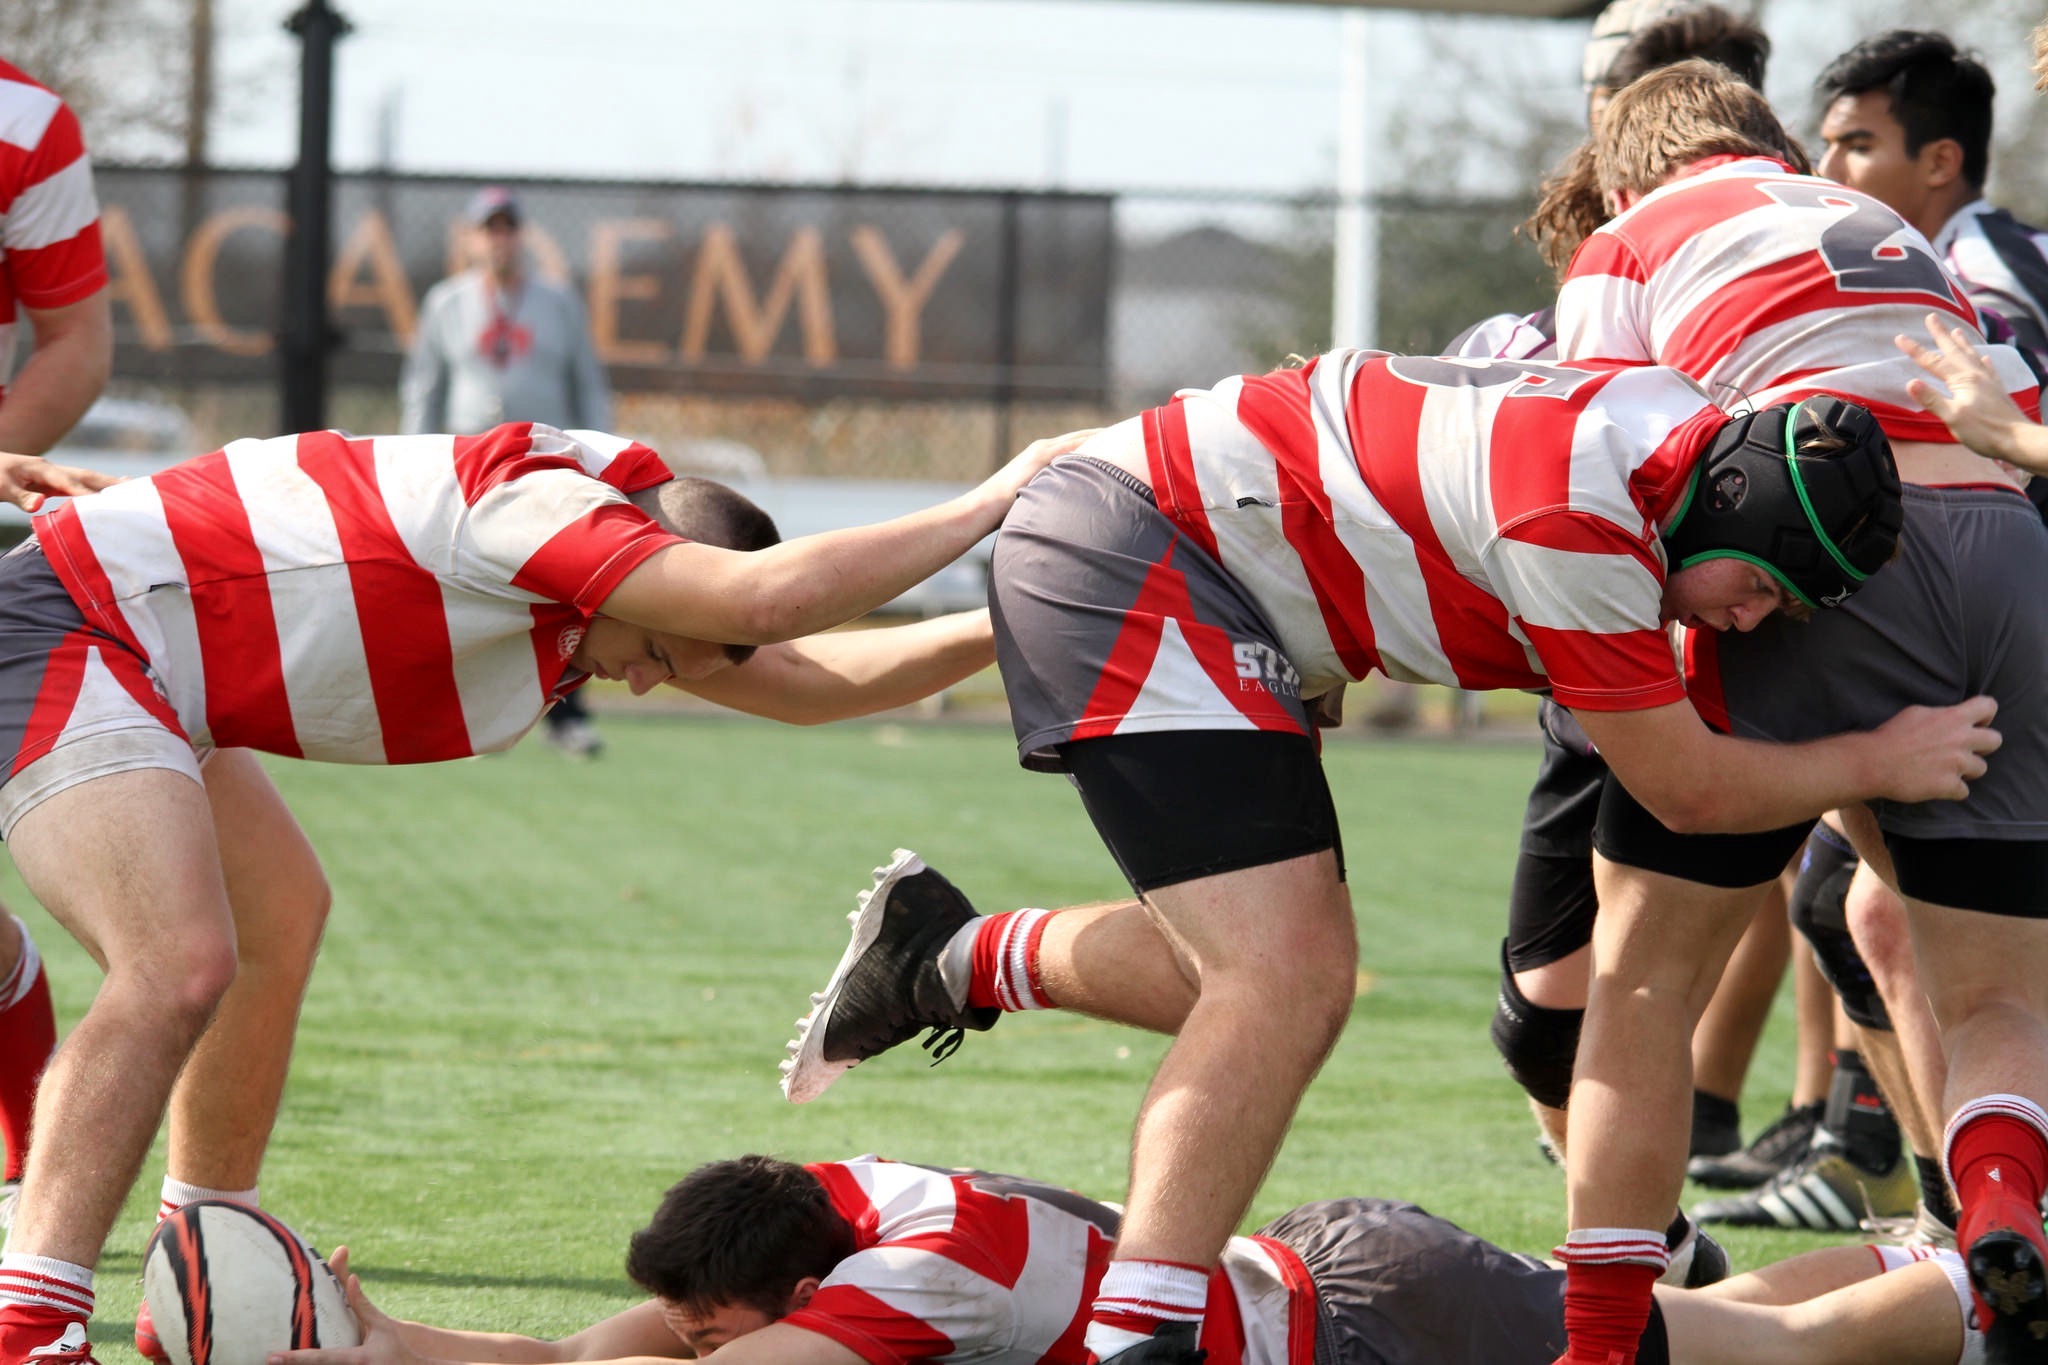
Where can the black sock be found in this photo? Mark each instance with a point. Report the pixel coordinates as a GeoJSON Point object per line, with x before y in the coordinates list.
{"type": "Point", "coordinates": [1934, 1191]}
{"type": "Point", "coordinates": [1716, 1124]}
{"type": "Point", "coordinates": [1857, 1116]}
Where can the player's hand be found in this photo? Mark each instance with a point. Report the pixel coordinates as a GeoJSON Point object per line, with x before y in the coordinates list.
{"type": "Point", "coordinates": [1032, 460]}
{"type": "Point", "coordinates": [1976, 407]}
{"type": "Point", "coordinates": [25, 480]}
{"type": "Point", "coordinates": [382, 1344]}
{"type": "Point", "coordinates": [1934, 753]}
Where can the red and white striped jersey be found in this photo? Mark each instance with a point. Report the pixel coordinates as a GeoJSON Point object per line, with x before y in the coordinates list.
{"type": "Point", "coordinates": [388, 599]}
{"type": "Point", "coordinates": [1478, 523]}
{"type": "Point", "coordinates": [965, 1266]}
{"type": "Point", "coordinates": [2002, 265]}
{"type": "Point", "coordinates": [1768, 286]}
{"type": "Point", "coordinates": [49, 220]}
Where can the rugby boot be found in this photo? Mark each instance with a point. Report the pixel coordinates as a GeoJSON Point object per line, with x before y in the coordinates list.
{"type": "Point", "coordinates": [1171, 1343]}
{"type": "Point", "coordinates": [1697, 1260]}
{"type": "Point", "coordinates": [1825, 1191]}
{"type": "Point", "coordinates": [146, 1344]}
{"type": "Point", "coordinates": [887, 987]}
{"type": "Point", "coordinates": [1923, 1229]}
{"type": "Point", "coordinates": [1770, 1152]}
{"type": "Point", "coordinates": [43, 1336]}
{"type": "Point", "coordinates": [2011, 1288]}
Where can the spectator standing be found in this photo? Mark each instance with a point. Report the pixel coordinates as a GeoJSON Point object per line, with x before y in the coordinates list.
{"type": "Point", "coordinates": [498, 344]}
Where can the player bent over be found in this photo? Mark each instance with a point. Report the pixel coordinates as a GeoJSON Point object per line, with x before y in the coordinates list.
{"type": "Point", "coordinates": [384, 600]}
{"type": "Point", "coordinates": [1170, 602]}
{"type": "Point", "coordinates": [869, 1260]}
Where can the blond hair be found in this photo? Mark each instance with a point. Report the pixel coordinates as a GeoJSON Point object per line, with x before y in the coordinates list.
{"type": "Point", "coordinates": [1657, 126]}
{"type": "Point", "coordinates": [2041, 56]}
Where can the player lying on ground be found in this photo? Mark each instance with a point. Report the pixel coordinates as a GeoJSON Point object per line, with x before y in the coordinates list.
{"type": "Point", "coordinates": [383, 600]}
{"type": "Point", "coordinates": [868, 1260]}
{"type": "Point", "coordinates": [1171, 601]}
{"type": "Point", "coordinates": [1755, 280]}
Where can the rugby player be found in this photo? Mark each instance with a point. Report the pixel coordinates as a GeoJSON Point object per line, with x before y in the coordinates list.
{"type": "Point", "coordinates": [876, 1261]}
{"type": "Point", "coordinates": [382, 600]}
{"type": "Point", "coordinates": [1171, 603]}
{"type": "Point", "coordinates": [1768, 285]}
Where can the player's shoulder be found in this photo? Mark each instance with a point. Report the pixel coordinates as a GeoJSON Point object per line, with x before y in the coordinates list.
{"type": "Point", "coordinates": [28, 110]}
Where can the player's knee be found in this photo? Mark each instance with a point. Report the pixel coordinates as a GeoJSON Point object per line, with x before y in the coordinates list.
{"type": "Point", "coordinates": [1819, 911]}
{"type": "Point", "coordinates": [190, 982]}
{"type": "Point", "coordinates": [1537, 1044]}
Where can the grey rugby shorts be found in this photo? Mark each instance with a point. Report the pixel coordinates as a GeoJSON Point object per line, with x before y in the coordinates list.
{"type": "Point", "coordinates": [1110, 621]}
{"type": "Point", "coordinates": [1398, 1286]}
{"type": "Point", "coordinates": [1963, 611]}
{"type": "Point", "coordinates": [74, 704]}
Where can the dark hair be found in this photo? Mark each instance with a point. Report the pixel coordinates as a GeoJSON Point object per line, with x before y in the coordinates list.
{"type": "Point", "coordinates": [743, 1231]}
{"type": "Point", "coordinates": [1933, 90]}
{"type": "Point", "coordinates": [1707, 31]}
{"type": "Point", "coordinates": [710, 513]}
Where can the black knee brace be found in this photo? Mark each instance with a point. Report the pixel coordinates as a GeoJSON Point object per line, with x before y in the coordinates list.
{"type": "Point", "coordinates": [1537, 1044]}
{"type": "Point", "coordinates": [1819, 911]}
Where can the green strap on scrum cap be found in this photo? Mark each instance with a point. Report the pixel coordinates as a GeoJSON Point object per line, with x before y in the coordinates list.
{"type": "Point", "coordinates": [1813, 519]}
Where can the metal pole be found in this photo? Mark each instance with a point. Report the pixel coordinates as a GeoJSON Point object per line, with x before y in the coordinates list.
{"type": "Point", "coordinates": [307, 333]}
{"type": "Point", "coordinates": [1008, 282]}
{"type": "Point", "coordinates": [1355, 283]}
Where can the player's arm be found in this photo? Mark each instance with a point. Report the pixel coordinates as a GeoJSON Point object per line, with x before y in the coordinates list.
{"type": "Point", "coordinates": [423, 382]}
{"type": "Point", "coordinates": [637, 1334]}
{"type": "Point", "coordinates": [812, 583]}
{"type": "Point", "coordinates": [853, 672]}
{"type": "Point", "coordinates": [74, 354]}
{"type": "Point", "coordinates": [1976, 407]}
{"type": "Point", "coordinates": [1698, 782]}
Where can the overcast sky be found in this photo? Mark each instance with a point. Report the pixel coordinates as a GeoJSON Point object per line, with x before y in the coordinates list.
{"type": "Point", "coordinates": [1082, 93]}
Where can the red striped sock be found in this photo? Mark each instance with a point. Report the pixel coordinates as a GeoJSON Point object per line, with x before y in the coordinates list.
{"type": "Point", "coordinates": [1136, 1297]}
{"type": "Point", "coordinates": [28, 1035]}
{"type": "Point", "coordinates": [1005, 962]}
{"type": "Point", "coordinates": [43, 1286]}
{"type": "Point", "coordinates": [1609, 1273]}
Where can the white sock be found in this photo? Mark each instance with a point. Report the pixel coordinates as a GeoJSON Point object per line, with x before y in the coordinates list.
{"type": "Point", "coordinates": [45, 1282]}
{"type": "Point", "coordinates": [177, 1194]}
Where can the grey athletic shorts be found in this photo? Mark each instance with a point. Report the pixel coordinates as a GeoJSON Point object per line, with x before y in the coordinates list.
{"type": "Point", "coordinates": [1110, 621]}
{"type": "Point", "coordinates": [1963, 611]}
{"type": "Point", "coordinates": [74, 704]}
{"type": "Point", "coordinates": [1398, 1286]}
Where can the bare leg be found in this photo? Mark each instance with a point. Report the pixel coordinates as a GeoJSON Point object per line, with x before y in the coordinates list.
{"type": "Point", "coordinates": [1814, 1006]}
{"type": "Point", "coordinates": [1726, 1038]}
{"type": "Point", "coordinates": [1658, 949]}
{"type": "Point", "coordinates": [1907, 1060]}
{"type": "Point", "coordinates": [1986, 977]}
{"type": "Point", "coordinates": [225, 1102]}
{"type": "Point", "coordinates": [1908, 1317]}
{"type": "Point", "coordinates": [128, 865]}
{"type": "Point", "coordinates": [1275, 951]}
{"type": "Point", "coordinates": [1111, 962]}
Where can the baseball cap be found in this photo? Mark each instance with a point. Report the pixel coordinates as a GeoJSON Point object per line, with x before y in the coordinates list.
{"type": "Point", "coordinates": [492, 202]}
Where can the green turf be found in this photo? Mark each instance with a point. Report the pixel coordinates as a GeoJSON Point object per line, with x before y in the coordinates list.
{"type": "Point", "coordinates": [548, 989]}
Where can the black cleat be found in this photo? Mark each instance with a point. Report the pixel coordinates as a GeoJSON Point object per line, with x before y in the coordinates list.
{"type": "Point", "coordinates": [1171, 1343]}
{"type": "Point", "coordinates": [886, 989]}
{"type": "Point", "coordinates": [1697, 1261]}
{"type": "Point", "coordinates": [1770, 1152]}
{"type": "Point", "coordinates": [2006, 1273]}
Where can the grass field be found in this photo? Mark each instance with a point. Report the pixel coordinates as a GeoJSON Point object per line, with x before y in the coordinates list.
{"type": "Point", "coordinates": [549, 989]}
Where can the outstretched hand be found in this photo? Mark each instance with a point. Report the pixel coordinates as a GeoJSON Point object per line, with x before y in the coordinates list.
{"type": "Point", "coordinates": [382, 1344]}
{"type": "Point", "coordinates": [1976, 408]}
{"type": "Point", "coordinates": [26, 480]}
{"type": "Point", "coordinates": [1934, 753]}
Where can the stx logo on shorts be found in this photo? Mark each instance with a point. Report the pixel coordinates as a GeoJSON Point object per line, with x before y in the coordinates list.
{"type": "Point", "coordinates": [1266, 666]}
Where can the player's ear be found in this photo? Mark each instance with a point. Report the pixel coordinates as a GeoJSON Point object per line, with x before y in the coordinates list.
{"type": "Point", "coordinates": [801, 1295]}
{"type": "Point", "coordinates": [1943, 160]}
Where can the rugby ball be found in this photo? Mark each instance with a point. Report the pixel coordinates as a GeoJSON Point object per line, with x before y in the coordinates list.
{"type": "Point", "coordinates": [227, 1284]}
